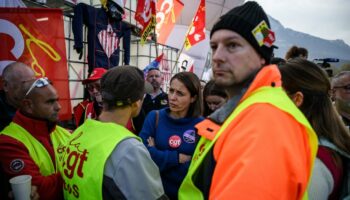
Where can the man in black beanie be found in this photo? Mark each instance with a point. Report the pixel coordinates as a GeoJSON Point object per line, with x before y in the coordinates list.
{"type": "Point", "coordinates": [258, 145]}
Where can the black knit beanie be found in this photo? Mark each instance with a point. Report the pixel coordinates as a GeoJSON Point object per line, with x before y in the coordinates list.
{"type": "Point", "coordinates": [251, 22]}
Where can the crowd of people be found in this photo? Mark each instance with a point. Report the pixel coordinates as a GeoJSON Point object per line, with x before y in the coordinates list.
{"type": "Point", "coordinates": [261, 128]}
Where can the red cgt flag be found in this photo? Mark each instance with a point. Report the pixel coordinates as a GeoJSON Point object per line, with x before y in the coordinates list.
{"type": "Point", "coordinates": [35, 37]}
{"type": "Point", "coordinates": [168, 11]}
{"type": "Point", "coordinates": [146, 16]}
{"type": "Point", "coordinates": [197, 30]}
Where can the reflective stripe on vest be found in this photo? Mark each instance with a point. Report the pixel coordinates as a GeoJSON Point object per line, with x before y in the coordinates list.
{"type": "Point", "coordinates": [85, 156]}
{"type": "Point", "coordinates": [36, 150]}
{"type": "Point", "coordinates": [271, 95]}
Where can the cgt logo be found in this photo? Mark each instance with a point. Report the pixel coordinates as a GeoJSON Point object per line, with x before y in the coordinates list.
{"type": "Point", "coordinates": [174, 141]}
{"type": "Point", "coordinates": [73, 162]}
{"type": "Point", "coordinates": [163, 13]}
{"type": "Point", "coordinates": [11, 30]}
{"type": "Point", "coordinates": [74, 158]}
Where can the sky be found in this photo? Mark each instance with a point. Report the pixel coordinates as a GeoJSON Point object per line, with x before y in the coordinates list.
{"type": "Point", "coordinates": [328, 19]}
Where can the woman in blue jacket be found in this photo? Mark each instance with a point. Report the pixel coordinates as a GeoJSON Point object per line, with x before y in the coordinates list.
{"type": "Point", "coordinates": [169, 133]}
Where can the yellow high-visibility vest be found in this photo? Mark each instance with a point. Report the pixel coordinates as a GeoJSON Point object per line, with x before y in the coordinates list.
{"type": "Point", "coordinates": [271, 95]}
{"type": "Point", "coordinates": [36, 150]}
{"type": "Point", "coordinates": [85, 156]}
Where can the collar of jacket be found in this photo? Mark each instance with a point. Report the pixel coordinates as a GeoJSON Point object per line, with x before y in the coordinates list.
{"type": "Point", "coordinates": [36, 127]}
{"type": "Point", "coordinates": [266, 76]}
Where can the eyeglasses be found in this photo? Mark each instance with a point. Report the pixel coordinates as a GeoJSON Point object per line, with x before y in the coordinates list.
{"type": "Point", "coordinates": [345, 87]}
{"type": "Point", "coordinates": [38, 83]}
{"type": "Point", "coordinates": [93, 86]}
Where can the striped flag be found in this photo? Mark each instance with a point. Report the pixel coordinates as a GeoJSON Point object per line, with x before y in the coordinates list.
{"type": "Point", "coordinates": [108, 40]}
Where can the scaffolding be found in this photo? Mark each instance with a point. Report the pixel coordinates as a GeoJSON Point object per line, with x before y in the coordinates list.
{"type": "Point", "coordinates": [140, 55]}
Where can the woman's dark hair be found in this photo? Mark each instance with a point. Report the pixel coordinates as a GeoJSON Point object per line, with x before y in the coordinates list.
{"type": "Point", "coordinates": [122, 86]}
{"type": "Point", "coordinates": [295, 52]}
{"type": "Point", "coordinates": [302, 75]}
{"type": "Point", "coordinates": [212, 89]}
{"type": "Point", "coordinates": [192, 83]}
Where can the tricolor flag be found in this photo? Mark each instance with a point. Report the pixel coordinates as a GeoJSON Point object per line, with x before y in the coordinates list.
{"type": "Point", "coordinates": [153, 64]}
{"type": "Point", "coordinates": [146, 16]}
{"type": "Point", "coordinates": [197, 27]}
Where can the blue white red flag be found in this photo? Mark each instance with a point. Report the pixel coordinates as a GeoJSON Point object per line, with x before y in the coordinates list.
{"type": "Point", "coordinates": [153, 64]}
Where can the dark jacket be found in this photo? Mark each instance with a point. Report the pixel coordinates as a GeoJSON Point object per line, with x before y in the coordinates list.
{"type": "Point", "coordinates": [172, 137]}
{"type": "Point", "coordinates": [97, 21]}
{"type": "Point", "coordinates": [6, 111]}
{"type": "Point", "coordinates": [149, 104]}
{"type": "Point", "coordinates": [157, 103]}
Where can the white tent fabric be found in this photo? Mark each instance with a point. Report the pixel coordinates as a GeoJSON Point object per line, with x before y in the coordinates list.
{"type": "Point", "coordinates": [214, 9]}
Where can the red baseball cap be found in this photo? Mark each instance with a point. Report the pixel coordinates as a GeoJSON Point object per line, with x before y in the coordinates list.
{"type": "Point", "coordinates": [95, 75]}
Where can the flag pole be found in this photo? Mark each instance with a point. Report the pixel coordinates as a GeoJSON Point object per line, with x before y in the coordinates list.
{"type": "Point", "coordinates": [155, 39]}
{"type": "Point", "coordinates": [182, 48]}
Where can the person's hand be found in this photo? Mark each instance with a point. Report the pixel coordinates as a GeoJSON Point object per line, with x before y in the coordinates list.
{"type": "Point", "coordinates": [184, 158]}
{"type": "Point", "coordinates": [151, 142]}
{"type": "Point", "coordinates": [80, 52]}
{"type": "Point", "coordinates": [34, 195]}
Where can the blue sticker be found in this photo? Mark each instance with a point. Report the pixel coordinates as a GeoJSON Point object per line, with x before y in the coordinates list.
{"type": "Point", "coordinates": [189, 136]}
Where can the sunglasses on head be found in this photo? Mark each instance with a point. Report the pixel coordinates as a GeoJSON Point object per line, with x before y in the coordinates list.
{"type": "Point", "coordinates": [38, 83]}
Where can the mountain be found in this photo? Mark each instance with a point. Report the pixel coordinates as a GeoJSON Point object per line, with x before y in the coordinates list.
{"type": "Point", "coordinates": [317, 47]}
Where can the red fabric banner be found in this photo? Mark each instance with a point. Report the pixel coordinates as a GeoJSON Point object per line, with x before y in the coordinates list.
{"type": "Point", "coordinates": [146, 16]}
{"type": "Point", "coordinates": [35, 36]}
{"type": "Point", "coordinates": [165, 68]}
{"type": "Point", "coordinates": [168, 11]}
{"type": "Point", "coordinates": [197, 28]}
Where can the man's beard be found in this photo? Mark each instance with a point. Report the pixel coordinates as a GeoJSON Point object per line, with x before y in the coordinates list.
{"type": "Point", "coordinates": [155, 85]}
{"type": "Point", "coordinates": [343, 106]}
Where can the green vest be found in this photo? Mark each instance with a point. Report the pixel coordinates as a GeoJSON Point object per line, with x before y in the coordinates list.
{"type": "Point", "coordinates": [36, 150]}
{"type": "Point", "coordinates": [85, 155]}
{"type": "Point", "coordinates": [272, 95]}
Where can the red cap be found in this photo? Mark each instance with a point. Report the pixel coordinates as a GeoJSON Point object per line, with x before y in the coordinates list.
{"type": "Point", "coordinates": [95, 75]}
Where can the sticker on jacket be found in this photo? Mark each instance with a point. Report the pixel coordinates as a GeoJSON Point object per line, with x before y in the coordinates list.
{"type": "Point", "coordinates": [17, 165]}
{"type": "Point", "coordinates": [189, 136]}
{"type": "Point", "coordinates": [163, 102]}
{"type": "Point", "coordinates": [174, 141]}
